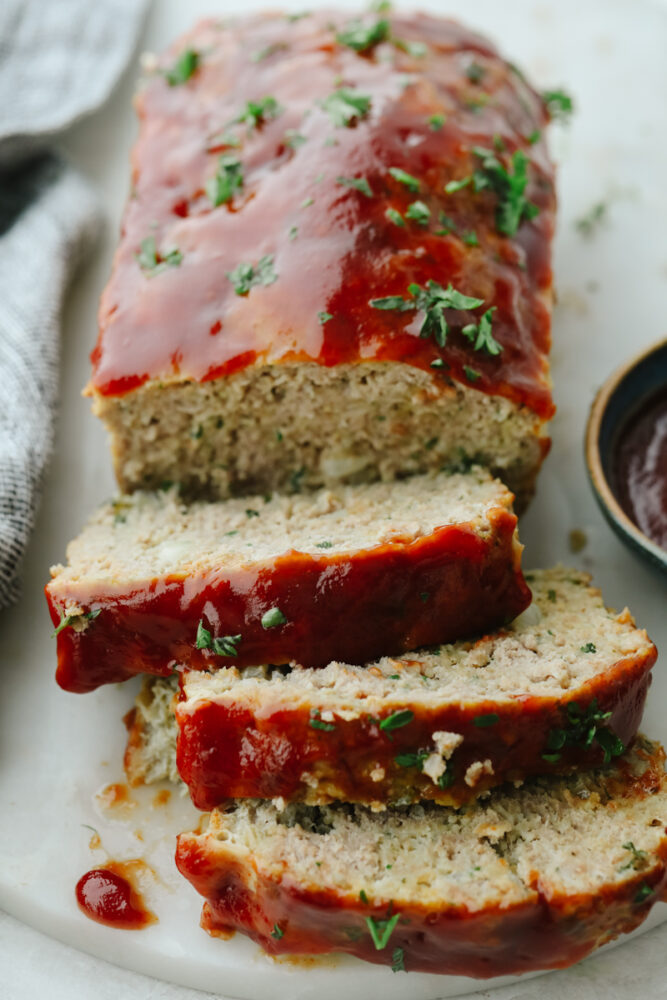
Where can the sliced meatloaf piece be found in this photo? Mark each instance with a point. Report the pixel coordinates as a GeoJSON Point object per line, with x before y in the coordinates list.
{"type": "Point", "coordinates": [531, 878]}
{"type": "Point", "coordinates": [351, 574]}
{"type": "Point", "coordinates": [335, 263]}
{"type": "Point", "coordinates": [561, 688]}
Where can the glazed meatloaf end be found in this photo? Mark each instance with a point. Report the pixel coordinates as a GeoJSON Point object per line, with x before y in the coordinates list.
{"type": "Point", "coordinates": [561, 688]}
{"type": "Point", "coordinates": [335, 264]}
{"type": "Point", "coordinates": [349, 574]}
{"type": "Point", "coordinates": [530, 879]}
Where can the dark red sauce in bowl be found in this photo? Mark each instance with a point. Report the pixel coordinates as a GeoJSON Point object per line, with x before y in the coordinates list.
{"type": "Point", "coordinates": [639, 477]}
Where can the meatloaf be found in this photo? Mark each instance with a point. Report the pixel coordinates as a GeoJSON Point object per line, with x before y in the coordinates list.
{"type": "Point", "coordinates": [561, 688]}
{"type": "Point", "coordinates": [335, 262]}
{"type": "Point", "coordinates": [348, 574]}
{"type": "Point", "coordinates": [531, 878]}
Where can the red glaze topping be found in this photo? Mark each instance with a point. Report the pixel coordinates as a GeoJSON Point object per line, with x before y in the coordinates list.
{"type": "Point", "coordinates": [231, 749]}
{"type": "Point", "coordinates": [640, 468]}
{"type": "Point", "coordinates": [553, 930]}
{"type": "Point", "coordinates": [473, 584]}
{"type": "Point", "coordinates": [331, 245]}
{"type": "Point", "coordinates": [106, 896]}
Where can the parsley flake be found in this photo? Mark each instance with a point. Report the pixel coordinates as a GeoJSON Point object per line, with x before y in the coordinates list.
{"type": "Point", "coordinates": [588, 224]}
{"type": "Point", "coordinates": [436, 121]}
{"type": "Point", "coordinates": [471, 373]}
{"type": "Point", "coordinates": [257, 112]}
{"type": "Point", "coordinates": [415, 49]}
{"type": "Point", "coordinates": [67, 621]}
{"type": "Point", "coordinates": [323, 545]}
{"type": "Point", "coordinates": [475, 72]}
{"type": "Point", "coordinates": [395, 217]}
{"type": "Point", "coordinates": [638, 858]}
{"type": "Point", "coordinates": [433, 300]}
{"type": "Point", "coordinates": [411, 759]}
{"type": "Point", "coordinates": [582, 728]}
{"type": "Point", "coordinates": [419, 212]}
{"type": "Point", "coordinates": [480, 335]}
{"type": "Point", "coordinates": [588, 647]}
{"type": "Point", "coordinates": [362, 37]}
{"type": "Point", "coordinates": [183, 68]}
{"type": "Point", "coordinates": [643, 893]}
{"type": "Point", "coordinates": [277, 932]}
{"type": "Point", "coordinates": [315, 723]}
{"type": "Point", "coordinates": [272, 618]}
{"type": "Point", "coordinates": [397, 720]}
{"type": "Point", "coordinates": [470, 238]}
{"type": "Point", "coordinates": [381, 930]}
{"type": "Point", "coordinates": [324, 317]}
{"type": "Point", "coordinates": [346, 106]}
{"type": "Point", "coordinates": [483, 721]}
{"type": "Point", "coordinates": [226, 645]}
{"type": "Point", "coordinates": [559, 104]}
{"type": "Point", "coordinates": [228, 179]}
{"type": "Point", "coordinates": [358, 183]}
{"type": "Point", "coordinates": [246, 276]}
{"type": "Point", "coordinates": [362, 896]}
{"type": "Point", "coordinates": [398, 960]}
{"type": "Point", "coordinates": [294, 139]}
{"type": "Point", "coordinates": [403, 178]}
{"type": "Point", "coordinates": [151, 262]}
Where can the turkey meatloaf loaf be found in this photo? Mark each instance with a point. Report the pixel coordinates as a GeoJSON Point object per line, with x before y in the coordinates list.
{"type": "Point", "coordinates": [532, 878]}
{"type": "Point", "coordinates": [563, 687]}
{"type": "Point", "coordinates": [335, 262]}
{"type": "Point", "coordinates": [348, 574]}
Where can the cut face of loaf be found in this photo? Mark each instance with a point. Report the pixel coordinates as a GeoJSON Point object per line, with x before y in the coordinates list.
{"type": "Point", "coordinates": [300, 298]}
{"type": "Point", "coordinates": [350, 574]}
{"type": "Point", "coordinates": [562, 687]}
{"type": "Point", "coordinates": [529, 879]}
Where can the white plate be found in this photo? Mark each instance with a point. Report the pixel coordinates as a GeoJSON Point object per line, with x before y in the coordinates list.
{"type": "Point", "coordinates": [57, 750]}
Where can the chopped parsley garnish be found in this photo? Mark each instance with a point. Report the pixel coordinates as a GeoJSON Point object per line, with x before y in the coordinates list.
{"type": "Point", "coordinates": [559, 104]}
{"type": "Point", "coordinates": [324, 545]}
{"type": "Point", "coordinates": [446, 779]}
{"type": "Point", "coordinates": [381, 930]}
{"type": "Point", "coordinates": [581, 729]}
{"type": "Point", "coordinates": [480, 335]}
{"type": "Point", "coordinates": [395, 217]}
{"type": "Point", "coordinates": [246, 276]}
{"type": "Point", "coordinates": [470, 238]}
{"type": "Point", "coordinates": [475, 72]}
{"type": "Point", "coordinates": [272, 618]}
{"type": "Point", "coordinates": [277, 932]}
{"type": "Point", "coordinates": [151, 262]}
{"type": "Point", "coordinates": [411, 759]}
{"type": "Point", "coordinates": [431, 443]}
{"type": "Point", "coordinates": [433, 300]}
{"type": "Point", "coordinates": [307, 202]}
{"type": "Point", "coordinates": [293, 233]}
{"type": "Point", "coordinates": [324, 317]}
{"type": "Point", "coordinates": [257, 112]}
{"type": "Point", "coordinates": [403, 178]}
{"type": "Point", "coordinates": [398, 960]}
{"type": "Point", "coordinates": [419, 212]}
{"type": "Point", "coordinates": [551, 596]}
{"type": "Point", "coordinates": [471, 373]}
{"type": "Point", "coordinates": [438, 363]}
{"type": "Point", "coordinates": [534, 136]}
{"type": "Point", "coordinates": [452, 186]}
{"type": "Point", "coordinates": [316, 723]}
{"type": "Point", "coordinates": [509, 184]}
{"type": "Point", "coordinates": [415, 49]}
{"type": "Point", "coordinates": [358, 183]}
{"type": "Point", "coordinates": [346, 106]}
{"type": "Point", "coordinates": [436, 121]}
{"type": "Point", "coordinates": [588, 647]}
{"type": "Point", "coordinates": [588, 223]}
{"type": "Point", "coordinates": [67, 621]}
{"type": "Point", "coordinates": [362, 896]}
{"type": "Point", "coordinates": [638, 859]}
{"type": "Point", "coordinates": [362, 37]}
{"type": "Point", "coordinates": [226, 645]}
{"type": "Point", "coordinates": [294, 139]}
{"type": "Point", "coordinates": [228, 179]}
{"type": "Point", "coordinates": [483, 721]}
{"type": "Point", "coordinates": [251, 513]}
{"type": "Point", "coordinates": [397, 720]}
{"type": "Point", "coordinates": [643, 893]}
{"type": "Point", "coordinates": [183, 68]}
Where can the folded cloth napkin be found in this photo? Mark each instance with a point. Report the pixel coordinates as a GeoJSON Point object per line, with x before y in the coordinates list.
{"type": "Point", "coordinates": [59, 59]}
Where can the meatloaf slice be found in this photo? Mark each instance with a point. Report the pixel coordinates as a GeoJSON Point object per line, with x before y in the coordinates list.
{"type": "Point", "coordinates": [530, 878]}
{"type": "Point", "coordinates": [561, 688]}
{"type": "Point", "coordinates": [350, 574]}
{"type": "Point", "coordinates": [309, 287]}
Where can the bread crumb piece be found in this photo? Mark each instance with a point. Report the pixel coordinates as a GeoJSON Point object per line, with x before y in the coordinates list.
{"type": "Point", "coordinates": [476, 770]}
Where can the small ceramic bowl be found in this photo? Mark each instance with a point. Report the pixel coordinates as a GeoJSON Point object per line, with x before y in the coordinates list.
{"type": "Point", "coordinates": [620, 397]}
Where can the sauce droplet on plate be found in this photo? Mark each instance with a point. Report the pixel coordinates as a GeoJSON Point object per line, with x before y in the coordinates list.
{"type": "Point", "coordinates": [106, 895]}
{"type": "Point", "coordinates": [640, 468]}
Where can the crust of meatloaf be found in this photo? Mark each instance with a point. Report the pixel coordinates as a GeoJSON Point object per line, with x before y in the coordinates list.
{"type": "Point", "coordinates": [529, 879]}
{"type": "Point", "coordinates": [351, 575]}
{"type": "Point", "coordinates": [562, 688]}
{"type": "Point", "coordinates": [299, 379]}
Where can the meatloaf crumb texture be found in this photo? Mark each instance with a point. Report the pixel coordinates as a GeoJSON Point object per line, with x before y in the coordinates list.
{"type": "Point", "coordinates": [295, 427]}
{"type": "Point", "coordinates": [443, 724]}
{"type": "Point", "coordinates": [430, 559]}
{"type": "Point", "coordinates": [531, 878]}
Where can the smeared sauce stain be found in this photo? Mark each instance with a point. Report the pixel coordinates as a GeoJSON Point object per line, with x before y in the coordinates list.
{"type": "Point", "coordinates": [109, 895]}
{"type": "Point", "coordinates": [115, 797]}
{"type": "Point", "coordinates": [161, 798]}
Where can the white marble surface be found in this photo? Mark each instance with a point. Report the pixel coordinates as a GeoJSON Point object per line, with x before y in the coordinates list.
{"type": "Point", "coordinates": [609, 53]}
